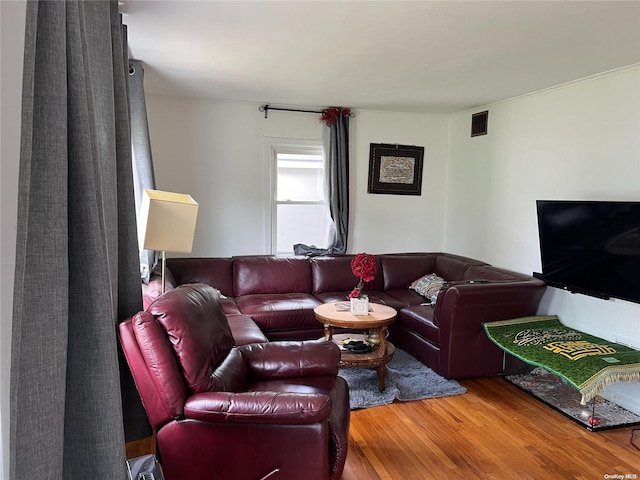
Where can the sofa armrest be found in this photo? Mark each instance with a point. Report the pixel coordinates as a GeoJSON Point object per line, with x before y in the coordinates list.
{"type": "Point", "coordinates": [465, 350]}
{"type": "Point", "coordinates": [483, 302]}
{"type": "Point", "coordinates": [258, 407]}
{"type": "Point", "coordinates": [292, 359]}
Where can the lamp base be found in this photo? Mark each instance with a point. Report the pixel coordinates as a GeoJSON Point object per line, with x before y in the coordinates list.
{"type": "Point", "coordinates": [163, 267]}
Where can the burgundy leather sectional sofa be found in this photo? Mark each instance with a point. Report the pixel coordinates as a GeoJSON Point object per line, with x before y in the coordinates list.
{"type": "Point", "coordinates": [272, 298]}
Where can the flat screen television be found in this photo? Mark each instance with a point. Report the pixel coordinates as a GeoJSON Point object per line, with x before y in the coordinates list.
{"type": "Point", "coordinates": [591, 247]}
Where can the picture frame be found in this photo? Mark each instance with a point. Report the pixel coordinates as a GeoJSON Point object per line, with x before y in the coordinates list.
{"type": "Point", "coordinates": [395, 169]}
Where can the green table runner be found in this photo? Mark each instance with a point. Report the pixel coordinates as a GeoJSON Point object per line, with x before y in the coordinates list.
{"type": "Point", "coordinates": [587, 362]}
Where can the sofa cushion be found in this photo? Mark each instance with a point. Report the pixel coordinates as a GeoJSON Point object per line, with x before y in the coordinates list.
{"type": "Point", "coordinates": [217, 272]}
{"type": "Point", "coordinates": [192, 314]}
{"type": "Point", "coordinates": [400, 269]}
{"type": "Point", "coordinates": [493, 274]}
{"type": "Point", "coordinates": [333, 274]}
{"type": "Point", "coordinates": [270, 275]}
{"type": "Point", "coordinates": [419, 319]}
{"type": "Point", "coordinates": [406, 296]}
{"type": "Point", "coordinates": [452, 267]}
{"type": "Point", "coordinates": [280, 311]}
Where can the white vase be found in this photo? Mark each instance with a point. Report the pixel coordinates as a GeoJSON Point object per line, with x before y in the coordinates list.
{"type": "Point", "coordinates": [359, 306]}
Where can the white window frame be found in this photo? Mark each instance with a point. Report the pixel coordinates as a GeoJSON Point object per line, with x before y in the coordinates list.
{"type": "Point", "coordinates": [274, 146]}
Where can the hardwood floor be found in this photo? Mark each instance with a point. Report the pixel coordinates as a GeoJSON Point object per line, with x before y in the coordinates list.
{"type": "Point", "coordinates": [494, 431]}
{"type": "Point", "coordinates": [145, 446]}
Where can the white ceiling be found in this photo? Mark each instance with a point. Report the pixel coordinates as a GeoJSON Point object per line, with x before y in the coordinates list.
{"type": "Point", "coordinates": [421, 56]}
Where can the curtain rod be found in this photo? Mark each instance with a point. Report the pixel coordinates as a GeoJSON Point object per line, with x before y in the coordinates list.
{"type": "Point", "coordinates": [265, 108]}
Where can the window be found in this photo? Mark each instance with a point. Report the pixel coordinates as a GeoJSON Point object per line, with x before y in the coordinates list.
{"type": "Point", "coordinates": [299, 210]}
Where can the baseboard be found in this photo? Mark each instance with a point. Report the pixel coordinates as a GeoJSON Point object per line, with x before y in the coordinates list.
{"type": "Point", "coordinates": [626, 394]}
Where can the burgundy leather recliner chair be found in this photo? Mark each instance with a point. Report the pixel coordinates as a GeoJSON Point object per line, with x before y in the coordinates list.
{"type": "Point", "coordinates": [260, 411]}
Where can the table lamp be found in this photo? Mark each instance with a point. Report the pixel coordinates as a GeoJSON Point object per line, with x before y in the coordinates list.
{"type": "Point", "coordinates": [167, 223]}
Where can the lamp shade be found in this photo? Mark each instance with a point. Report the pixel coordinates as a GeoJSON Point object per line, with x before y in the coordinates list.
{"type": "Point", "coordinates": [167, 221]}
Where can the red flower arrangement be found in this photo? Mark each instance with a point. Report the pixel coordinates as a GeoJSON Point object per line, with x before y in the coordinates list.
{"type": "Point", "coordinates": [363, 266]}
{"type": "Point", "coordinates": [331, 114]}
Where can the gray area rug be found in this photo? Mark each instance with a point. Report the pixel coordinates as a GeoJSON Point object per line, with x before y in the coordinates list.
{"type": "Point", "coordinates": [407, 379]}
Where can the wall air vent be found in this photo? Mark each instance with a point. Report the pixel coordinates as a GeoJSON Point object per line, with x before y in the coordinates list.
{"type": "Point", "coordinates": [479, 123]}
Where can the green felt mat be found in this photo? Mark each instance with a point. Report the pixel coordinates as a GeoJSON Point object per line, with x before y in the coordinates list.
{"type": "Point", "coordinates": [587, 362]}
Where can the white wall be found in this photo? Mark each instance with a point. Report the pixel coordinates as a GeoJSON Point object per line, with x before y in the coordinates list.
{"type": "Point", "coordinates": [12, 19]}
{"type": "Point", "coordinates": [215, 151]}
{"type": "Point", "coordinates": [398, 223]}
{"type": "Point", "coordinates": [580, 141]}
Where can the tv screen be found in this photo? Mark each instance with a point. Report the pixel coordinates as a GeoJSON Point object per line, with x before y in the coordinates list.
{"type": "Point", "coordinates": [591, 247]}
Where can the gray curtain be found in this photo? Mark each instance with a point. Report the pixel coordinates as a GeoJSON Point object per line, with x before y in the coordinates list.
{"type": "Point", "coordinates": [336, 148]}
{"type": "Point", "coordinates": [143, 174]}
{"type": "Point", "coordinates": [77, 267]}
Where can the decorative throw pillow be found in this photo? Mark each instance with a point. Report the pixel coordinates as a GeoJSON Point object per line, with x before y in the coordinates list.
{"type": "Point", "coordinates": [428, 285]}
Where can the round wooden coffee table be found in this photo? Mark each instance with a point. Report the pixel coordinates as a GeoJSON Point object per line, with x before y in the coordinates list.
{"type": "Point", "coordinates": [380, 316]}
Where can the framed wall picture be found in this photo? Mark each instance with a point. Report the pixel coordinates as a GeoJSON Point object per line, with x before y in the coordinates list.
{"type": "Point", "coordinates": [395, 169]}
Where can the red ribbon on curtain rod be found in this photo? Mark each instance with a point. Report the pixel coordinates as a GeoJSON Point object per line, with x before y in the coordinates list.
{"type": "Point", "coordinates": [330, 115]}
